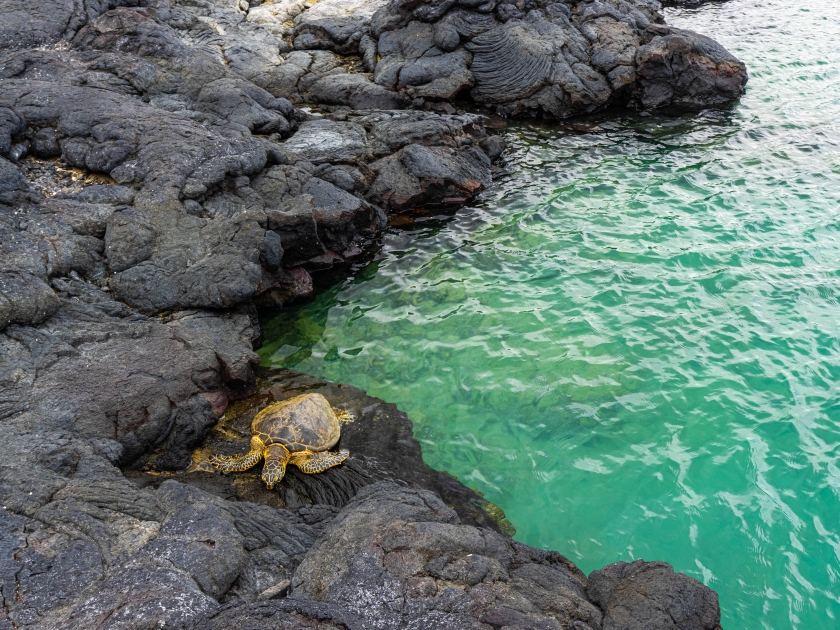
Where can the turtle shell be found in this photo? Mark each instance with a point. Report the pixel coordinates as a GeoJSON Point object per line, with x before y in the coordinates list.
{"type": "Point", "coordinates": [301, 423]}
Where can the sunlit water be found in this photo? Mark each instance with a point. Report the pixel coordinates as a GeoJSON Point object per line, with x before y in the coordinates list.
{"type": "Point", "coordinates": [632, 344]}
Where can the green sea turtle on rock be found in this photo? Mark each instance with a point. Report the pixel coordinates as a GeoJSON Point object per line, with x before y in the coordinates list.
{"type": "Point", "coordinates": [297, 431]}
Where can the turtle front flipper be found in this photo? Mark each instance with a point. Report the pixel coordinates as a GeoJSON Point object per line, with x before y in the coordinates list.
{"type": "Point", "coordinates": [276, 458]}
{"type": "Point", "coordinates": [312, 463]}
{"type": "Point", "coordinates": [343, 416]}
{"type": "Point", "coordinates": [238, 463]}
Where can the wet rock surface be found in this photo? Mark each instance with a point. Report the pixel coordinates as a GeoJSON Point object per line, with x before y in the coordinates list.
{"type": "Point", "coordinates": [168, 165]}
{"type": "Point", "coordinates": [650, 595]}
{"type": "Point", "coordinates": [380, 541]}
{"type": "Point", "coordinates": [379, 438]}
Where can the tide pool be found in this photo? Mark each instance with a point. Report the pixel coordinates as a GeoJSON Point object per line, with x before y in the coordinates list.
{"type": "Point", "coordinates": [632, 342]}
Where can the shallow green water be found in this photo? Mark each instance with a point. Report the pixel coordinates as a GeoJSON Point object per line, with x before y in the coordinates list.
{"type": "Point", "coordinates": [632, 344]}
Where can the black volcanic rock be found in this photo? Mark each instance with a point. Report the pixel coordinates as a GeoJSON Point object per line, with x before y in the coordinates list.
{"type": "Point", "coordinates": [651, 596]}
{"type": "Point", "coordinates": [165, 165]}
{"type": "Point", "coordinates": [557, 59]}
{"type": "Point", "coordinates": [400, 558]}
{"type": "Point", "coordinates": [380, 441]}
{"type": "Point", "coordinates": [685, 69]}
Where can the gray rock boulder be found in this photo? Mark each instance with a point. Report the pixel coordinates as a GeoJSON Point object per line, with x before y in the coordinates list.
{"type": "Point", "coordinates": [22, 27]}
{"type": "Point", "coordinates": [159, 65]}
{"type": "Point", "coordinates": [353, 90]}
{"type": "Point", "coordinates": [651, 596]}
{"type": "Point", "coordinates": [411, 63]}
{"type": "Point", "coordinates": [399, 558]}
{"type": "Point", "coordinates": [685, 69]}
{"type": "Point", "coordinates": [130, 239]}
{"type": "Point", "coordinates": [419, 175]}
{"type": "Point", "coordinates": [25, 299]}
{"type": "Point", "coordinates": [196, 265]}
{"type": "Point", "coordinates": [294, 222]}
{"type": "Point", "coordinates": [555, 59]}
{"type": "Point", "coordinates": [337, 25]}
{"type": "Point", "coordinates": [100, 194]}
{"type": "Point", "coordinates": [340, 216]}
{"type": "Point", "coordinates": [276, 16]}
{"type": "Point", "coordinates": [536, 63]}
{"type": "Point", "coordinates": [328, 141]}
{"type": "Point", "coordinates": [11, 125]}
{"type": "Point", "coordinates": [389, 131]}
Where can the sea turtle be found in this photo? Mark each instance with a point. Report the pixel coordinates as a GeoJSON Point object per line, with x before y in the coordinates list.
{"type": "Point", "coordinates": [296, 431]}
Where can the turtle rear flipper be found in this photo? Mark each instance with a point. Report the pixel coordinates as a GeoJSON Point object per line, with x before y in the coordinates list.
{"type": "Point", "coordinates": [312, 463]}
{"type": "Point", "coordinates": [238, 463]}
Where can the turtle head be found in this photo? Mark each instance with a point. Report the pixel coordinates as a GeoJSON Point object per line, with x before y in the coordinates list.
{"type": "Point", "coordinates": [276, 458]}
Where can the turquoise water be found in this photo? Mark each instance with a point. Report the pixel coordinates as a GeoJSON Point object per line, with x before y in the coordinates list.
{"type": "Point", "coordinates": [632, 343]}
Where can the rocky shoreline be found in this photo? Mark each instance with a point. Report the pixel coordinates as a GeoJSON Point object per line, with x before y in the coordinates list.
{"type": "Point", "coordinates": [166, 167]}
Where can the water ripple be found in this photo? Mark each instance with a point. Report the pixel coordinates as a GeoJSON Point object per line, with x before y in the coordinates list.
{"type": "Point", "coordinates": [632, 344]}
